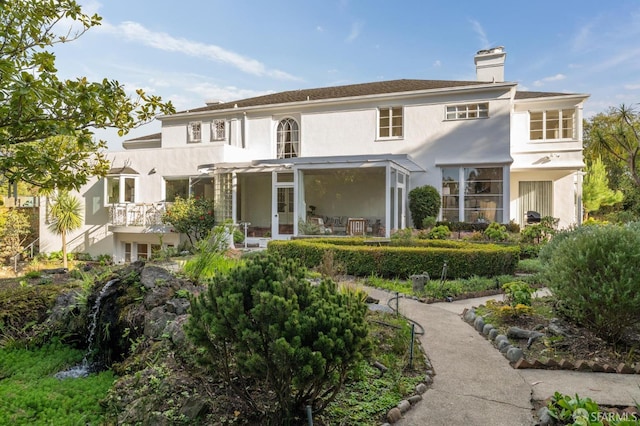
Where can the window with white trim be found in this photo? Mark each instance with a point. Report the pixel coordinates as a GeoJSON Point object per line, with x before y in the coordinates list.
{"type": "Point", "coordinates": [468, 111]}
{"type": "Point", "coordinates": [194, 132]}
{"type": "Point", "coordinates": [390, 123]}
{"type": "Point", "coordinates": [552, 124]}
{"type": "Point", "coordinates": [120, 189]}
{"type": "Point", "coordinates": [472, 194]}
{"type": "Point", "coordinates": [288, 138]}
{"type": "Point", "coordinates": [218, 130]}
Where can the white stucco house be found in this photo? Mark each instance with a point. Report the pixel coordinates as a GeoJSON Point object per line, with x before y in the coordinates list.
{"type": "Point", "coordinates": [344, 154]}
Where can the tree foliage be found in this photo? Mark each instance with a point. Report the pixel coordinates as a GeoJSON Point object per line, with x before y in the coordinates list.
{"type": "Point", "coordinates": [596, 192]}
{"type": "Point", "coordinates": [15, 228]}
{"type": "Point", "coordinates": [266, 329]}
{"type": "Point", "coordinates": [424, 201]}
{"type": "Point", "coordinates": [615, 137]}
{"type": "Point", "coordinates": [66, 216]}
{"type": "Point", "coordinates": [191, 216]}
{"type": "Point", "coordinates": [36, 105]}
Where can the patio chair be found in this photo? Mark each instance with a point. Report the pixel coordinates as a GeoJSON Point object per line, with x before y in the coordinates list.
{"type": "Point", "coordinates": [356, 226]}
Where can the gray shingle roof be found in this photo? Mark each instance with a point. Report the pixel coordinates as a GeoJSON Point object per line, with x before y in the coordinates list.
{"type": "Point", "coordinates": [532, 95]}
{"type": "Point", "coordinates": [337, 92]}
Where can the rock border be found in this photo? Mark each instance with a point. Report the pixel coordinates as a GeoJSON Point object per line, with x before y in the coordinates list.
{"type": "Point", "coordinates": [517, 359]}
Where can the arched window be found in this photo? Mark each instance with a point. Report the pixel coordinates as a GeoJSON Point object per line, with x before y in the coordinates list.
{"type": "Point", "coordinates": [288, 138]}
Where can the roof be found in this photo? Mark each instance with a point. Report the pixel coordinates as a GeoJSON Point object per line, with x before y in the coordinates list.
{"type": "Point", "coordinates": [532, 95]}
{"type": "Point", "coordinates": [153, 136]}
{"type": "Point", "coordinates": [337, 92]}
{"type": "Point", "coordinates": [125, 170]}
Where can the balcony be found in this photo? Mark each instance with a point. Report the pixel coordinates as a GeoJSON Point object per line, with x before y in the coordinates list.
{"type": "Point", "coordinates": [129, 214]}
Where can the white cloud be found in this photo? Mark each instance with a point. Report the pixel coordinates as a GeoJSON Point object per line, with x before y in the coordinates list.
{"type": "Point", "coordinates": [437, 63]}
{"type": "Point", "coordinates": [632, 86]}
{"type": "Point", "coordinates": [320, 29]}
{"type": "Point", "coordinates": [550, 79]}
{"type": "Point", "coordinates": [356, 29]}
{"type": "Point", "coordinates": [134, 31]}
{"type": "Point", "coordinates": [477, 28]}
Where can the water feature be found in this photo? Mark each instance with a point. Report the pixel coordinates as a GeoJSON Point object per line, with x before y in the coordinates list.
{"type": "Point", "coordinates": [83, 369]}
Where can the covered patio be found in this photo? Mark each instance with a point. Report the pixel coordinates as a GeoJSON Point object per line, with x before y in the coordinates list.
{"type": "Point", "coordinates": [339, 195]}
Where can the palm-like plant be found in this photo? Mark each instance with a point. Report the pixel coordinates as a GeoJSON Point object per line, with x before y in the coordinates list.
{"type": "Point", "coordinates": [66, 215]}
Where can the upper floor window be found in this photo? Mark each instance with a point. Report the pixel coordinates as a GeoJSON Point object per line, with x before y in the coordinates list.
{"type": "Point", "coordinates": [194, 132]}
{"type": "Point", "coordinates": [218, 130]}
{"type": "Point", "coordinates": [121, 189]}
{"type": "Point", "coordinates": [468, 111]}
{"type": "Point", "coordinates": [288, 143]}
{"type": "Point", "coordinates": [390, 124]}
{"type": "Point", "coordinates": [552, 124]}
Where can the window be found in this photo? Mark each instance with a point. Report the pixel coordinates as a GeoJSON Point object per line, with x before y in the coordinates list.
{"type": "Point", "coordinates": [218, 130]}
{"type": "Point", "coordinates": [121, 189]}
{"type": "Point", "coordinates": [194, 132]}
{"type": "Point", "coordinates": [472, 194]}
{"type": "Point", "coordinates": [468, 111]}
{"type": "Point", "coordinates": [390, 124]}
{"type": "Point", "coordinates": [174, 188]}
{"type": "Point", "coordinates": [199, 187]}
{"type": "Point", "coordinates": [288, 143]}
{"type": "Point", "coordinates": [552, 124]}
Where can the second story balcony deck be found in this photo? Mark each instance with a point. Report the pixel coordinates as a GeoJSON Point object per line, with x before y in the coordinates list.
{"type": "Point", "coordinates": [137, 214]}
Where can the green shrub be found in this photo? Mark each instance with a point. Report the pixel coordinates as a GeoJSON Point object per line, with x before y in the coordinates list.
{"type": "Point", "coordinates": [517, 293]}
{"type": "Point", "coordinates": [429, 222]}
{"type": "Point", "coordinates": [593, 272]}
{"type": "Point", "coordinates": [424, 201]}
{"type": "Point", "coordinates": [439, 232]}
{"type": "Point", "coordinates": [496, 232]}
{"type": "Point", "coordinates": [402, 260]}
{"type": "Point", "coordinates": [265, 324]}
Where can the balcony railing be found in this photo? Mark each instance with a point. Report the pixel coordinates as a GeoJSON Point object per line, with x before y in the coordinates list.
{"type": "Point", "coordinates": [129, 214]}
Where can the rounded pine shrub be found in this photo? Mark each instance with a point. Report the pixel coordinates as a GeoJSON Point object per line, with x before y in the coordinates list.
{"type": "Point", "coordinates": [593, 273]}
{"type": "Point", "coordinates": [424, 201]}
{"type": "Point", "coordinates": [277, 340]}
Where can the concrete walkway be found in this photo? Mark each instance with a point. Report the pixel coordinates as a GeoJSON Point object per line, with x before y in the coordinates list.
{"type": "Point", "coordinates": [474, 383]}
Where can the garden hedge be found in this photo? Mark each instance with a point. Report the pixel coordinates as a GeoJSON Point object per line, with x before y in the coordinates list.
{"type": "Point", "coordinates": [361, 258]}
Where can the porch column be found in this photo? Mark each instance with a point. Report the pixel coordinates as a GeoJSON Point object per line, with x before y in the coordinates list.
{"type": "Point", "coordinates": [387, 202]}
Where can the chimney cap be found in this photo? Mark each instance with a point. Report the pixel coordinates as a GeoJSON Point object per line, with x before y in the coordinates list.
{"type": "Point", "coordinates": [497, 49]}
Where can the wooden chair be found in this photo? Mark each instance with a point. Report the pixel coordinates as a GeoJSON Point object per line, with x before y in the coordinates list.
{"type": "Point", "coordinates": [356, 226]}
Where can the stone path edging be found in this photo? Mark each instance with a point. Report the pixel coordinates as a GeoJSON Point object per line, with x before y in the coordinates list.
{"type": "Point", "coordinates": [518, 360]}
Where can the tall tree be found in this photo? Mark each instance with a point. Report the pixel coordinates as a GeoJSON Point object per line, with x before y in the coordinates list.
{"type": "Point", "coordinates": [66, 216]}
{"type": "Point", "coordinates": [615, 137]}
{"type": "Point", "coordinates": [596, 192]}
{"type": "Point", "coordinates": [36, 105]}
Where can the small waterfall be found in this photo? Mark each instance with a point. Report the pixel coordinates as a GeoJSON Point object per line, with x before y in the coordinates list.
{"type": "Point", "coordinates": [83, 369]}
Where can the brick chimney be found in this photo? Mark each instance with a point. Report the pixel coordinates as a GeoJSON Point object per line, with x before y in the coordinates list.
{"type": "Point", "coordinates": [490, 64]}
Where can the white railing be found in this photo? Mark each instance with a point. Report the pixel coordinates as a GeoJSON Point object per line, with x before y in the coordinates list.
{"type": "Point", "coordinates": [129, 214]}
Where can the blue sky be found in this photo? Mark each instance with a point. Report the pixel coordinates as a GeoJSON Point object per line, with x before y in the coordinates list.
{"type": "Point", "coordinates": [192, 51]}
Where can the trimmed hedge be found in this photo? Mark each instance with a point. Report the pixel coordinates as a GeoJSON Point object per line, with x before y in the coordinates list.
{"type": "Point", "coordinates": [463, 259]}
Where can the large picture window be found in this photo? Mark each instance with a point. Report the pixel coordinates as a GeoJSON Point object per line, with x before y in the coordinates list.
{"type": "Point", "coordinates": [390, 123]}
{"type": "Point", "coordinates": [288, 139]}
{"type": "Point", "coordinates": [472, 194]}
{"type": "Point", "coordinates": [552, 124]}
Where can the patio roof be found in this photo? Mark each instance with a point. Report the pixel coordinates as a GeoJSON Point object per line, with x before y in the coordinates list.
{"type": "Point", "coordinates": [403, 161]}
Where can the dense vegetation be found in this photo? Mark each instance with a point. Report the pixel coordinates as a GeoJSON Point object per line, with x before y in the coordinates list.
{"type": "Point", "coordinates": [264, 323]}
